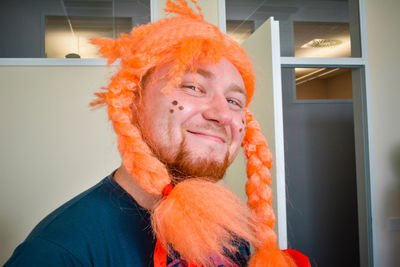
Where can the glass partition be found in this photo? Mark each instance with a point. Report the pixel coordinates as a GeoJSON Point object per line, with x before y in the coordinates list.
{"type": "Point", "coordinates": [323, 83]}
{"type": "Point", "coordinates": [63, 28]}
{"type": "Point", "coordinates": [308, 28]}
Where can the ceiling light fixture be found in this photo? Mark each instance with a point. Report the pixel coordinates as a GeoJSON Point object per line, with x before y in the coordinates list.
{"type": "Point", "coordinates": [321, 43]}
{"type": "Point", "coordinates": [316, 76]}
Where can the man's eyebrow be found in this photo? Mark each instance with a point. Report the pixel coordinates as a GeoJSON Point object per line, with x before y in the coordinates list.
{"type": "Point", "coordinates": [233, 87]}
{"type": "Point", "coordinates": [239, 89]}
{"type": "Point", "coordinates": [205, 73]}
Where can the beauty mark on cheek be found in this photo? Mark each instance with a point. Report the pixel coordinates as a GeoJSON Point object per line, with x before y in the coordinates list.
{"type": "Point", "coordinates": [240, 130]}
{"type": "Point", "coordinates": [174, 102]}
{"type": "Point", "coordinates": [171, 111]}
{"type": "Point", "coordinates": [181, 107]}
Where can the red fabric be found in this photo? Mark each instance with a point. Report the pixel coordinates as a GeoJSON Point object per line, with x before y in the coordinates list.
{"type": "Point", "coordinates": [300, 259]}
{"type": "Point", "coordinates": [167, 189]}
{"type": "Point", "coordinates": [160, 255]}
{"type": "Point", "coordinates": [191, 264]}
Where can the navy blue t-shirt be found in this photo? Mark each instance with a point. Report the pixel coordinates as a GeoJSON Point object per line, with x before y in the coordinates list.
{"type": "Point", "coordinates": [103, 226]}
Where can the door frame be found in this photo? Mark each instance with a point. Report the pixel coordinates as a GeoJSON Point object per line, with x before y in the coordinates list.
{"type": "Point", "coordinates": [362, 128]}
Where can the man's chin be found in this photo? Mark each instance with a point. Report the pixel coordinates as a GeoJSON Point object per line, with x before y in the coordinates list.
{"type": "Point", "coordinates": [186, 167]}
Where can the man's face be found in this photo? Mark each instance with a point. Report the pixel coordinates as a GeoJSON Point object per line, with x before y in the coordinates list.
{"type": "Point", "coordinates": [196, 129]}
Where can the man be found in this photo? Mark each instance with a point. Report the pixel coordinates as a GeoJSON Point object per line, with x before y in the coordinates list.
{"type": "Point", "coordinates": [179, 107]}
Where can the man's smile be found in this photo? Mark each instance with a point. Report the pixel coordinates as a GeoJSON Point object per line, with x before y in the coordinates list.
{"type": "Point", "coordinates": [209, 136]}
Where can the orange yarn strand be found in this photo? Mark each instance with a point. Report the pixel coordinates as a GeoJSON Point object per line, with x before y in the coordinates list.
{"type": "Point", "coordinates": [258, 171]}
{"type": "Point", "coordinates": [258, 190]}
{"type": "Point", "coordinates": [183, 9]}
{"type": "Point", "coordinates": [201, 219]}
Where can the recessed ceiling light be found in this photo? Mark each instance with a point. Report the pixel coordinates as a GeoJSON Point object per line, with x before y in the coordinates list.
{"type": "Point", "coordinates": [321, 43]}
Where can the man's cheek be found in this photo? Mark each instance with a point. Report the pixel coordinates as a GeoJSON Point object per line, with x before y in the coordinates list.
{"type": "Point", "coordinates": [239, 127]}
{"type": "Point", "coordinates": [179, 106]}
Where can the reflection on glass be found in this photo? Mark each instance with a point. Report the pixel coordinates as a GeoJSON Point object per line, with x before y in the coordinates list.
{"type": "Point", "coordinates": [307, 28]}
{"type": "Point", "coordinates": [69, 37]}
{"type": "Point", "coordinates": [62, 28]}
{"type": "Point", "coordinates": [321, 39]}
{"type": "Point", "coordinates": [239, 30]}
{"type": "Point", "coordinates": [323, 83]}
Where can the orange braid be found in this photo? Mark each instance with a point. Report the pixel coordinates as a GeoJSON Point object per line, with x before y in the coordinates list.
{"type": "Point", "coordinates": [258, 190]}
{"type": "Point", "coordinates": [137, 156]}
{"type": "Point", "coordinates": [259, 177]}
{"type": "Point", "coordinates": [201, 219]}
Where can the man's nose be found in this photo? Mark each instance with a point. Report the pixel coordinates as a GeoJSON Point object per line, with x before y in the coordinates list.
{"type": "Point", "coordinates": [218, 111]}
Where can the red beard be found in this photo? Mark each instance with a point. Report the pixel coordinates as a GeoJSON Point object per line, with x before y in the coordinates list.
{"type": "Point", "coordinates": [184, 166]}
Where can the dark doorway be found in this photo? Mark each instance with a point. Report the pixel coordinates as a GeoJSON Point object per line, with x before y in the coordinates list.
{"type": "Point", "coordinates": [320, 171]}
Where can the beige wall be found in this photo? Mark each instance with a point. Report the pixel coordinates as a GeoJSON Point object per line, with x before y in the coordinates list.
{"type": "Point", "coordinates": [52, 146]}
{"type": "Point", "coordinates": [383, 24]}
{"type": "Point", "coordinates": [334, 87]}
{"type": "Point", "coordinates": [340, 86]}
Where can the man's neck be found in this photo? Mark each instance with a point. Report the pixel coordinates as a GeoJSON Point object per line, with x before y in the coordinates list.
{"type": "Point", "coordinates": [130, 185]}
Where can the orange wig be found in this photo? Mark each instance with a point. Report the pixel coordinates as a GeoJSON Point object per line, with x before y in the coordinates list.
{"type": "Point", "coordinates": [198, 218]}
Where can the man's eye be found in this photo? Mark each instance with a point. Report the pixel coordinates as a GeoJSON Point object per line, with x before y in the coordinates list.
{"type": "Point", "coordinates": [192, 88]}
{"type": "Point", "coordinates": [234, 102]}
